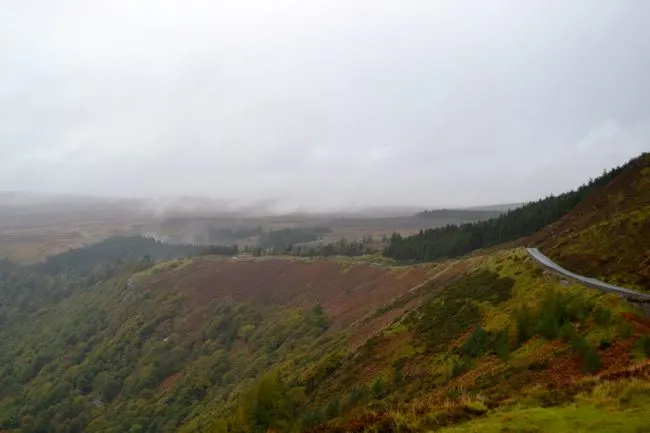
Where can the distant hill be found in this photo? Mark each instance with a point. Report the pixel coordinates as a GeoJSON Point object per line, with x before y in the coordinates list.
{"type": "Point", "coordinates": [607, 235]}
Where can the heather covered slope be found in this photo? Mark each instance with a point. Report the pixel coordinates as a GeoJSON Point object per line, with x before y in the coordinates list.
{"type": "Point", "coordinates": [608, 234]}
{"type": "Point", "coordinates": [346, 289]}
{"type": "Point", "coordinates": [209, 344]}
{"type": "Point", "coordinates": [501, 339]}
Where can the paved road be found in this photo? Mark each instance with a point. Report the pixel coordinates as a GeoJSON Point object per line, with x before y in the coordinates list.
{"type": "Point", "coordinates": [587, 281]}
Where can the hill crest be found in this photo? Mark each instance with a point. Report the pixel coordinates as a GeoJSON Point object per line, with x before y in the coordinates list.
{"type": "Point", "coordinates": [607, 235]}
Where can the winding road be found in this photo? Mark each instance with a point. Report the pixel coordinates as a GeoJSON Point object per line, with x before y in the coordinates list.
{"type": "Point", "coordinates": [549, 264]}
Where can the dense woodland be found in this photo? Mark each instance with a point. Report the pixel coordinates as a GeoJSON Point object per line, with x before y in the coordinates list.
{"type": "Point", "coordinates": [457, 240]}
{"type": "Point", "coordinates": [342, 247]}
{"type": "Point", "coordinates": [119, 249]}
{"type": "Point", "coordinates": [84, 348]}
{"type": "Point", "coordinates": [114, 250]}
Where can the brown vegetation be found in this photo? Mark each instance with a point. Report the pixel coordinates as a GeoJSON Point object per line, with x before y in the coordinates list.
{"type": "Point", "coordinates": [608, 234]}
{"type": "Point", "coordinates": [346, 292]}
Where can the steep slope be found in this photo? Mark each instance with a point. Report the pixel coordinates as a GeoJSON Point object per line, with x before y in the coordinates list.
{"type": "Point", "coordinates": [345, 289]}
{"type": "Point", "coordinates": [208, 344]}
{"type": "Point", "coordinates": [608, 234]}
{"type": "Point", "coordinates": [502, 338]}
{"type": "Point", "coordinates": [279, 344]}
{"type": "Point", "coordinates": [153, 348]}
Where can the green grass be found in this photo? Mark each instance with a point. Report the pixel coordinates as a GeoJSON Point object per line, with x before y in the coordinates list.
{"type": "Point", "coordinates": [578, 418]}
{"type": "Point", "coordinates": [164, 267]}
{"type": "Point", "coordinates": [621, 406]}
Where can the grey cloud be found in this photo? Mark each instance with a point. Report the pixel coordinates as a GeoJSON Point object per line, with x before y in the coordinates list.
{"type": "Point", "coordinates": [321, 104]}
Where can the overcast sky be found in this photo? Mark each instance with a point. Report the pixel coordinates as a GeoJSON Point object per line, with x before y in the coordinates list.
{"type": "Point", "coordinates": [321, 103]}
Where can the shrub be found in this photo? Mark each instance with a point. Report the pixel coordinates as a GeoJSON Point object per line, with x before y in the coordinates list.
{"type": "Point", "coordinates": [378, 388]}
{"type": "Point", "coordinates": [460, 366]}
{"type": "Point", "coordinates": [333, 409]}
{"type": "Point", "coordinates": [624, 329]}
{"type": "Point", "coordinates": [524, 322]}
{"type": "Point", "coordinates": [644, 345]}
{"type": "Point", "coordinates": [357, 395]}
{"type": "Point", "coordinates": [501, 344]}
{"type": "Point", "coordinates": [548, 324]}
{"type": "Point", "coordinates": [313, 417]}
{"type": "Point", "coordinates": [602, 316]}
{"type": "Point", "coordinates": [588, 354]}
{"type": "Point", "coordinates": [555, 311]}
{"type": "Point", "coordinates": [568, 332]}
{"type": "Point", "coordinates": [477, 343]}
{"type": "Point", "coordinates": [447, 316]}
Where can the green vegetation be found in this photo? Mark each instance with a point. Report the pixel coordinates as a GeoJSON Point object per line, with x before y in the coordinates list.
{"type": "Point", "coordinates": [457, 240]}
{"type": "Point", "coordinates": [115, 250]}
{"type": "Point", "coordinates": [644, 345]}
{"type": "Point", "coordinates": [607, 236]}
{"type": "Point", "coordinates": [284, 239]}
{"type": "Point", "coordinates": [112, 355]}
{"type": "Point", "coordinates": [445, 317]}
{"type": "Point", "coordinates": [118, 338]}
{"type": "Point", "coordinates": [560, 419]}
{"type": "Point", "coordinates": [608, 407]}
{"type": "Point", "coordinates": [342, 247]}
{"type": "Point", "coordinates": [555, 317]}
{"type": "Point", "coordinates": [489, 343]}
{"type": "Point", "coordinates": [80, 352]}
{"type": "Point", "coordinates": [105, 361]}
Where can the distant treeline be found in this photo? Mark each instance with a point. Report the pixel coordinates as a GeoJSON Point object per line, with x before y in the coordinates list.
{"type": "Point", "coordinates": [231, 235]}
{"type": "Point", "coordinates": [121, 249]}
{"type": "Point", "coordinates": [284, 239]}
{"type": "Point", "coordinates": [342, 247]}
{"type": "Point", "coordinates": [456, 240]}
{"type": "Point", "coordinates": [460, 214]}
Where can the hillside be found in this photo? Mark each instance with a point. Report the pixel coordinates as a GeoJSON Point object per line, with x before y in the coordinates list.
{"type": "Point", "coordinates": [180, 337]}
{"type": "Point", "coordinates": [107, 339]}
{"type": "Point", "coordinates": [458, 239]}
{"type": "Point", "coordinates": [608, 234]}
{"type": "Point", "coordinates": [210, 344]}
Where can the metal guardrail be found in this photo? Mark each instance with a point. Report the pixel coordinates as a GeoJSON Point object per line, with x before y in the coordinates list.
{"type": "Point", "coordinates": [540, 258]}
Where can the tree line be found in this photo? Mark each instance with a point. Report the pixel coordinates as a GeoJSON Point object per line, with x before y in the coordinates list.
{"type": "Point", "coordinates": [281, 239]}
{"type": "Point", "coordinates": [120, 249]}
{"type": "Point", "coordinates": [456, 240]}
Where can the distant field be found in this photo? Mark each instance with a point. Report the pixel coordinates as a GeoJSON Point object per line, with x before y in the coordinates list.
{"type": "Point", "coordinates": [26, 246]}
{"type": "Point", "coordinates": [31, 231]}
{"type": "Point", "coordinates": [33, 227]}
{"type": "Point", "coordinates": [350, 227]}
